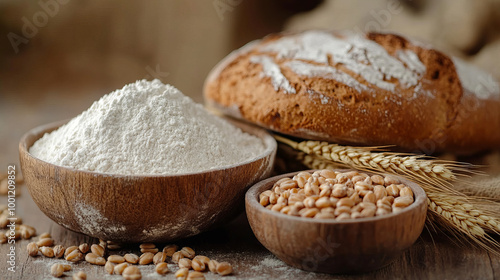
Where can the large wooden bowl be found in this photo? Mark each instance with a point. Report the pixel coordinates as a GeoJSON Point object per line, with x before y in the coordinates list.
{"type": "Point", "coordinates": [352, 246]}
{"type": "Point", "coordinates": [141, 208]}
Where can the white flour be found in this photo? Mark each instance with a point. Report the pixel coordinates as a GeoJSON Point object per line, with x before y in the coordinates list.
{"type": "Point", "coordinates": [147, 128]}
{"type": "Point", "coordinates": [272, 70]}
{"type": "Point", "coordinates": [313, 52]}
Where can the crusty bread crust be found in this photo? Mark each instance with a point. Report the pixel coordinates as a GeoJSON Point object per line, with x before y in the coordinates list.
{"type": "Point", "coordinates": [429, 113]}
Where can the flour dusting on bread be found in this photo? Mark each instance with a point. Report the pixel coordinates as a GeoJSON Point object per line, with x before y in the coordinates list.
{"type": "Point", "coordinates": [272, 70]}
{"type": "Point", "coordinates": [327, 72]}
{"type": "Point", "coordinates": [319, 52]}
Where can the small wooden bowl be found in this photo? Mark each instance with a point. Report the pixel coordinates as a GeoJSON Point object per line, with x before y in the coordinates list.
{"type": "Point", "coordinates": [339, 247]}
{"type": "Point", "coordinates": [141, 208]}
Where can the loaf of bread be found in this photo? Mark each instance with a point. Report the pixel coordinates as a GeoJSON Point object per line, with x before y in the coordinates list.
{"type": "Point", "coordinates": [359, 89]}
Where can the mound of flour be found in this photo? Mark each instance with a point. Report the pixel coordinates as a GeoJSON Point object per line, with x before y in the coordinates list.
{"type": "Point", "coordinates": [146, 128]}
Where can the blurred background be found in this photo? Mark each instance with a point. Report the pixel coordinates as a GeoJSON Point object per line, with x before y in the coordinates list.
{"type": "Point", "coordinates": [58, 56]}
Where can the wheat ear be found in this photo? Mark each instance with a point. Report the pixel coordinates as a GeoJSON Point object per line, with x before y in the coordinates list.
{"type": "Point", "coordinates": [459, 217]}
{"type": "Point", "coordinates": [435, 172]}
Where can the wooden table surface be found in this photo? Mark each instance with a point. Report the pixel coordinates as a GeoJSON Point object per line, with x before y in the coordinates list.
{"type": "Point", "coordinates": [431, 257]}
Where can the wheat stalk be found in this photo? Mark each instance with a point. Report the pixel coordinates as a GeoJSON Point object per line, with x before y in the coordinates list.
{"type": "Point", "coordinates": [435, 172]}
{"type": "Point", "coordinates": [461, 218]}
{"type": "Point", "coordinates": [449, 208]}
{"type": "Point", "coordinates": [461, 212]}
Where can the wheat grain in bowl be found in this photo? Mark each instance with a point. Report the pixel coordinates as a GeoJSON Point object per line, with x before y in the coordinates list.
{"type": "Point", "coordinates": [328, 194]}
{"type": "Point", "coordinates": [346, 244]}
{"type": "Point", "coordinates": [139, 151]}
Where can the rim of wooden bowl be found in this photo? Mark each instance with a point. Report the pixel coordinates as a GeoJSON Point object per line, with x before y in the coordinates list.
{"type": "Point", "coordinates": [39, 131]}
{"type": "Point", "coordinates": [252, 195]}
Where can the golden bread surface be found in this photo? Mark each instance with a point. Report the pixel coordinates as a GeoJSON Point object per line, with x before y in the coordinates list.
{"type": "Point", "coordinates": [359, 89]}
